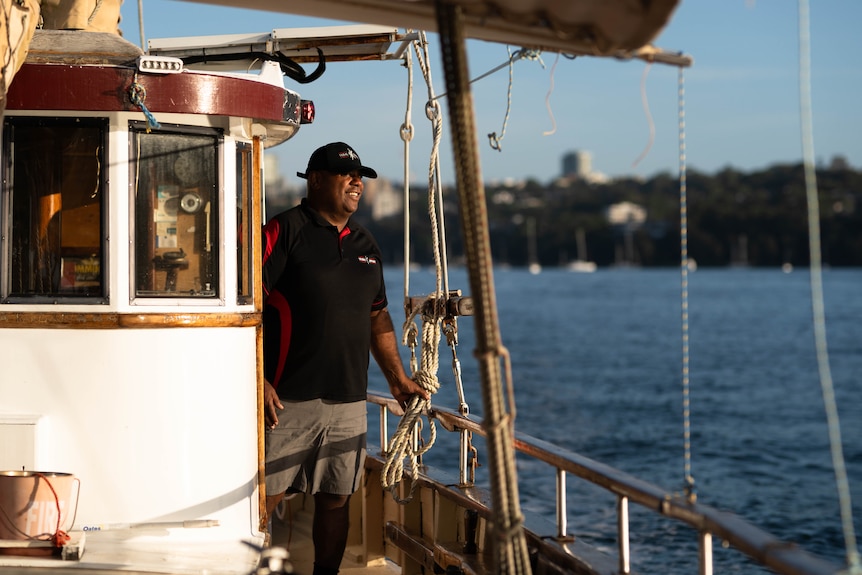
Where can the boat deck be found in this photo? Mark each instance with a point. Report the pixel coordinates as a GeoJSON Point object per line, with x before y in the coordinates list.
{"type": "Point", "coordinates": [293, 532]}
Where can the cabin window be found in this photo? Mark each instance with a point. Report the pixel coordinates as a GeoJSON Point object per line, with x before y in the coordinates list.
{"type": "Point", "coordinates": [54, 206]}
{"type": "Point", "coordinates": [174, 180]}
{"type": "Point", "coordinates": [244, 196]}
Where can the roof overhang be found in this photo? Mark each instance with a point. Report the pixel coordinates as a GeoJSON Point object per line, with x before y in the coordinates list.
{"type": "Point", "coordinates": [337, 43]}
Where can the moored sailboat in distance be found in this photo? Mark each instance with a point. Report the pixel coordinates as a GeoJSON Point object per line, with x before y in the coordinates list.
{"type": "Point", "coordinates": [582, 263]}
{"type": "Point", "coordinates": [532, 247]}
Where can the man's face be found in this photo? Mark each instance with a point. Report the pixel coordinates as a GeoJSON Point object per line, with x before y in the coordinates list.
{"type": "Point", "coordinates": [337, 194]}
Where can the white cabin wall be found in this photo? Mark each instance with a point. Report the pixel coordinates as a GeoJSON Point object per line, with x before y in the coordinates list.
{"type": "Point", "coordinates": [158, 424]}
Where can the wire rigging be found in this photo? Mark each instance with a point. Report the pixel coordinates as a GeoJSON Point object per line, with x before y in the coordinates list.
{"type": "Point", "coordinates": [684, 269]}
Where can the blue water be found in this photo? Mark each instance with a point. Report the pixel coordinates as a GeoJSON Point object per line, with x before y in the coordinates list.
{"type": "Point", "coordinates": [597, 364]}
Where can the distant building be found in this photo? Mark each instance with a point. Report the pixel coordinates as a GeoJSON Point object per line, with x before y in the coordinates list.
{"type": "Point", "coordinates": [578, 165]}
{"type": "Point", "coordinates": [626, 213]}
{"type": "Point", "coordinates": [384, 199]}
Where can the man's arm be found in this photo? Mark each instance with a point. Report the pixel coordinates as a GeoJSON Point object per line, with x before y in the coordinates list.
{"type": "Point", "coordinates": [384, 348]}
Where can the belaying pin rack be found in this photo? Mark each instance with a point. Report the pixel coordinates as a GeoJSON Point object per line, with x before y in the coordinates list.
{"type": "Point", "coordinates": [456, 304]}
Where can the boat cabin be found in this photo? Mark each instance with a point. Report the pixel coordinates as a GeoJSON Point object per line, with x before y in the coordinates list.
{"type": "Point", "coordinates": [130, 311]}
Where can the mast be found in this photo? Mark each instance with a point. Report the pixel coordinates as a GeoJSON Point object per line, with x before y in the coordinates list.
{"type": "Point", "coordinates": [510, 548]}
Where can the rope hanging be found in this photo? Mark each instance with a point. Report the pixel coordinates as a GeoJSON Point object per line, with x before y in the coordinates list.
{"type": "Point", "coordinates": [404, 444]}
{"type": "Point", "coordinates": [137, 95]}
{"type": "Point", "coordinates": [818, 308]}
{"type": "Point", "coordinates": [649, 119]}
{"type": "Point", "coordinates": [493, 139]}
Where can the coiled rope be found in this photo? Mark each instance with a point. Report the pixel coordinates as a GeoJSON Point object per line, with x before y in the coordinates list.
{"type": "Point", "coordinates": [404, 444]}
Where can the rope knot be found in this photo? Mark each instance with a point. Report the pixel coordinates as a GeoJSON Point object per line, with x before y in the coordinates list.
{"type": "Point", "coordinates": [427, 381]}
{"type": "Point", "coordinates": [137, 95]}
{"type": "Point", "coordinates": [60, 538]}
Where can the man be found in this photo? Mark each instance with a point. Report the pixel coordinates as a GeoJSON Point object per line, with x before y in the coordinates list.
{"type": "Point", "coordinates": [325, 309]}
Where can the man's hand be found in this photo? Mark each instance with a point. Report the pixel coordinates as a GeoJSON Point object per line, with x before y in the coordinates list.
{"type": "Point", "coordinates": [271, 405]}
{"type": "Point", "coordinates": [405, 388]}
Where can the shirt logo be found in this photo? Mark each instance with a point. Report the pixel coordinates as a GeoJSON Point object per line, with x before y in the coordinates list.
{"type": "Point", "coordinates": [371, 260]}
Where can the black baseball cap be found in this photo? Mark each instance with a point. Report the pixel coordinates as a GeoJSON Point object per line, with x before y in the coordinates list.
{"type": "Point", "coordinates": [338, 158]}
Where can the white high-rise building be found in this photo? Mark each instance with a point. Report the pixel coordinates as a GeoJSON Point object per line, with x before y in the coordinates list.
{"type": "Point", "coordinates": [577, 163]}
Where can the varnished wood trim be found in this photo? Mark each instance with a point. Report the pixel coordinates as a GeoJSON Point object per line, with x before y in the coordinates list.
{"type": "Point", "coordinates": [71, 320]}
{"type": "Point", "coordinates": [106, 88]}
{"type": "Point", "coordinates": [257, 262]}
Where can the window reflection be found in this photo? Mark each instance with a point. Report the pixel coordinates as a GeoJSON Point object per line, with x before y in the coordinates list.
{"type": "Point", "coordinates": [55, 205]}
{"type": "Point", "coordinates": [174, 178]}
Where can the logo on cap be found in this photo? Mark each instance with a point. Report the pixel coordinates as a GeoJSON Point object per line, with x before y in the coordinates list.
{"type": "Point", "coordinates": [350, 154]}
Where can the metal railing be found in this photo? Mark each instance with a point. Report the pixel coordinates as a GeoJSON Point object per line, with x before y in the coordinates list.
{"type": "Point", "coordinates": [762, 547]}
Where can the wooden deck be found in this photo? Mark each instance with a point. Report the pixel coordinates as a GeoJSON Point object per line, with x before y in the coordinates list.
{"type": "Point", "coordinates": [292, 530]}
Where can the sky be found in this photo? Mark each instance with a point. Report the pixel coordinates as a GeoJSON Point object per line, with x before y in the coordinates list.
{"type": "Point", "coordinates": [742, 104]}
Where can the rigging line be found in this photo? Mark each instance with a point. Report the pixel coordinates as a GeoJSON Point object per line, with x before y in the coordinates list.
{"type": "Point", "coordinates": [684, 269]}
{"type": "Point", "coordinates": [406, 137]}
{"type": "Point", "coordinates": [141, 24]}
{"type": "Point", "coordinates": [404, 443]}
{"type": "Point", "coordinates": [553, 129]}
{"type": "Point", "coordinates": [513, 57]}
{"type": "Point", "coordinates": [650, 122]}
{"type": "Point", "coordinates": [434, 114]}
{"type": "Point", "coordinates": [493, 139]}
{"type": "Point", "coordinates": [817, 304]}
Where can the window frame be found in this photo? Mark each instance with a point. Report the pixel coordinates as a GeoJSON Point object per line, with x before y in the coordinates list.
{"type": "Point", "coordinates": [11, 124]}
{"type": "Point", "coordinates": [217, 297]}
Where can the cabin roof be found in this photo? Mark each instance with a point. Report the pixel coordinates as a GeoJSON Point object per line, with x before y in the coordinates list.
{"type": "Point", "coordinates": [80, 47]}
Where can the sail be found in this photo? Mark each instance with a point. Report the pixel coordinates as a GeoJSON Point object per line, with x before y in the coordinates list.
{"type": "Point", "coordinates": [17, 24]}
{"type": "Point", "coordinates": [620, 28]}
{"type": "Point", "coordinates": [86, 15]}
{"type": "Point", "coordinates": [20, 18]}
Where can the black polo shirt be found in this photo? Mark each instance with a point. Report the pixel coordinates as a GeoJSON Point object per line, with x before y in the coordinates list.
{"type": "Point", "coordinates": [320, 288]}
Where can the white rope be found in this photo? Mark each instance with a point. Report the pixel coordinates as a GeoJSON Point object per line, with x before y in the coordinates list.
{"type": "Point", "coordinates": [404, 444]}
{"type": "Point", "coordinates": [407, 137]}
{"type": "Point", "coordinates": [553, 129]}
{"type": "Point", "coordinates": [493, 139]}
{"type": "Point", "coordinates": [648, 115]}
{"type": "Point", "coordinates": [833, 423]}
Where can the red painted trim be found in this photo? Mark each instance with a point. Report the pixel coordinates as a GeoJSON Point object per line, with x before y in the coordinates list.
{"type": "Point", "coordinates": [106, 88]}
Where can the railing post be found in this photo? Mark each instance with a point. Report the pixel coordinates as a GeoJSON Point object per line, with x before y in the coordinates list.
{"type": "Point", "coordinates": [623, 534]}
{"type": "Point", "coordinates": [562, 518]}
{"type": "Point", "coordinates": [384, 429]}
{"type": "Point", "coordinates": [462, 458]}
{"type": "Point", "coordinates": [705, 555]}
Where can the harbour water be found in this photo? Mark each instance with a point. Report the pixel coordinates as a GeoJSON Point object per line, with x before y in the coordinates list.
{"type": "Point", "coordinates": [597, 366]}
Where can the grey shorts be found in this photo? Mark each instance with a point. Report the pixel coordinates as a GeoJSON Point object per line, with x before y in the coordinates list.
{"type": "Point", "coordinates": [318, 446]}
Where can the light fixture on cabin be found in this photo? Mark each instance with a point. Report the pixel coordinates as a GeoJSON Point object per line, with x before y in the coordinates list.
{"type": "Point", "coordinates": [306, 111]}
{"type": "Point", "coordinates": [159, 64]}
